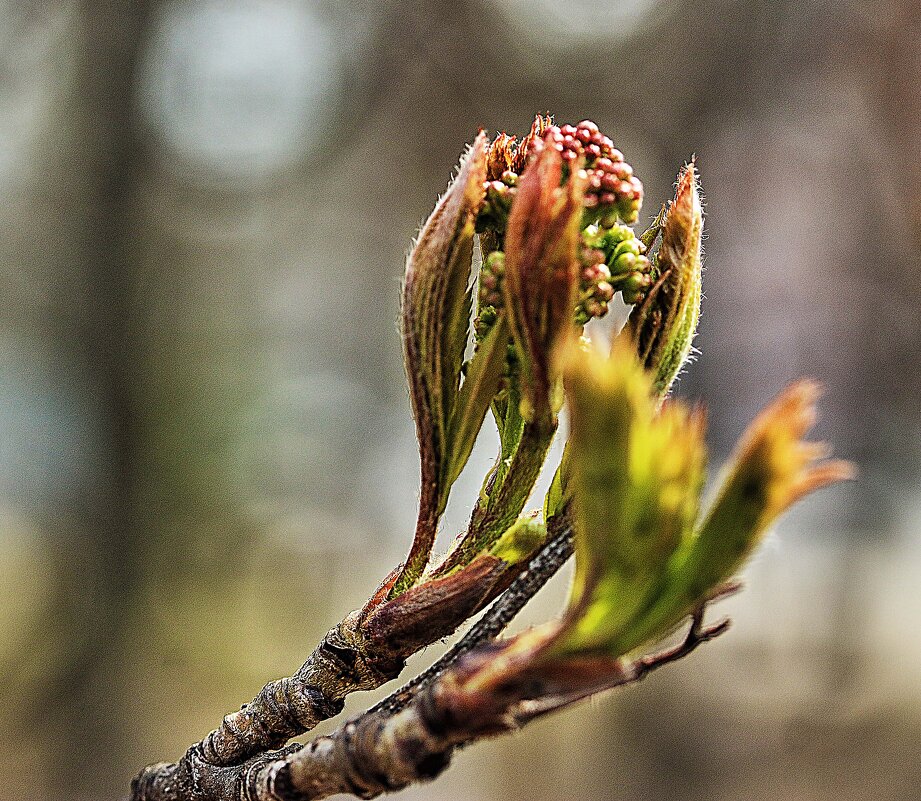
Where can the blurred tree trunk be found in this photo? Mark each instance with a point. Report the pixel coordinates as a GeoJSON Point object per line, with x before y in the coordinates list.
{"type": "Point", "coordinates": [97, 555]}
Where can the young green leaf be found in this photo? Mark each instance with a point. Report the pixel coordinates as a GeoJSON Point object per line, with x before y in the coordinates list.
{"type": "Point", "coordinates": [484, 373]}
{"type": "Point", "coordinates": [772, 468]}
{"type": "Point", "coordinates": [636, 476]}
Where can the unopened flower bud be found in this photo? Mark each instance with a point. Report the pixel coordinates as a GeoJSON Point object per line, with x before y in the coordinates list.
{"type": "Point", "coordinates": [612, 191]}
{"type": "Point", "coordinates": [624, 263]}
{"type": "Point", "coordinates": [491, 280]}
{"type": "Point", "coordinates": [493, 215]}
{"type": "Point", "coordinates": [595, 290]}
{"type": "Point", "coordinates": [634, 286]}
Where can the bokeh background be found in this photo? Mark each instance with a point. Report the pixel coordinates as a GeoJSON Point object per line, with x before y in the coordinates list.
{"type": "Point", "coordinates": [206, 453]}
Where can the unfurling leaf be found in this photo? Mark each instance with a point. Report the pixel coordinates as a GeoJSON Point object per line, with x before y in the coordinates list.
{"type": "Point", "coordinates": [435, 322]}
{"type": "Point", "coordinates": [636, 476]}
{"type": "Point", "coordinates": [636, 470]}
{"type": "Point", "coordinates": [484, 373]}
{"type": "Point", "coordinates": [772, 468]}
{"type": "Point", "coordinates": [662, 328]}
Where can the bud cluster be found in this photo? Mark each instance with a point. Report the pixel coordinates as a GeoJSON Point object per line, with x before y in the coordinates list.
{"type": "Point", "coordinates": [595, 288]}
{"type": "Point", "coordinates": [491, 276]}
{"type": "Point", "coordinates": [612, 260]}
{"type": "Point", "coordinates": [613, 191]}
{"type": "Point", "coordinates": [497, 204]}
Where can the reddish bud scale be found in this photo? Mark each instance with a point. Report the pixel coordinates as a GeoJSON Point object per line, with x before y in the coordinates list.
{"type": "Point", "coordinates": [542, 272]}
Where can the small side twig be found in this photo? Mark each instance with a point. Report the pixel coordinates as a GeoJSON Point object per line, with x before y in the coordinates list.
{"type": "Point", "coordinates": [697, 635]}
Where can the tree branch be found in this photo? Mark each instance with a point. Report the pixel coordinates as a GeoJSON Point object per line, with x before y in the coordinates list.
{"type": "Point", "coordinates": [283, 709]}
{"type": "Point", "coordinates": [382, 751]}
{"type": "Point", "coordinates": [343, 662]}
{"type": "Point", "coordinates": [413, 737]}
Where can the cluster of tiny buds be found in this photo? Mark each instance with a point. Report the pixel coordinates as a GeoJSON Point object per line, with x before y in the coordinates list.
{"type": "Point", "coordinates": [613, 191]}
{"type": "Point", "coordinates": [595, 288]}
{"type": "Point", "coordinates": [497, 203]}
{"type": "Point", "coordinates": [612, 260]}
{"type": "Point", "coordinates": [492, 274]}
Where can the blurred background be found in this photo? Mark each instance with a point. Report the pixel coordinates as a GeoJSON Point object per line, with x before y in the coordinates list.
{"type": "Point", "coordinates": [206, 452]}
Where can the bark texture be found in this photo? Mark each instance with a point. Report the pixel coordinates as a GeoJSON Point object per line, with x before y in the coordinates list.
{"type": "Point", "coordinates": [363, 652]}
{"type": "Point", "coordinates": [387, 749]}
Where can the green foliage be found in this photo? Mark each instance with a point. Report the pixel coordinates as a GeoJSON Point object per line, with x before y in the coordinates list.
{"type": "Point", "coordinates": [643, 561]}
{"type": "Point", "coordinates": [484, 373]}
{"type": "Point", "coordinates": [636, 478]}
{"type": "Point", "coordinates": [771, 469]}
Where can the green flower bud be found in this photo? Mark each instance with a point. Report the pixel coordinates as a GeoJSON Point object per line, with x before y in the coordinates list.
{"type": "Point", "coordinates": [595, 288]}
{"type": "Point", "coordinates": [491, 275]}
{"type": "Point", "coordinates": [632, 246]}
{"type": "Point", "coordinates": [624, 263]}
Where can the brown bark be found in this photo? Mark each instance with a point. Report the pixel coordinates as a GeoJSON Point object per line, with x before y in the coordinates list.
{"type": "Point", "coordinates": [366, 650]}
{"type": "Point", "coordinates": [389, 748]}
